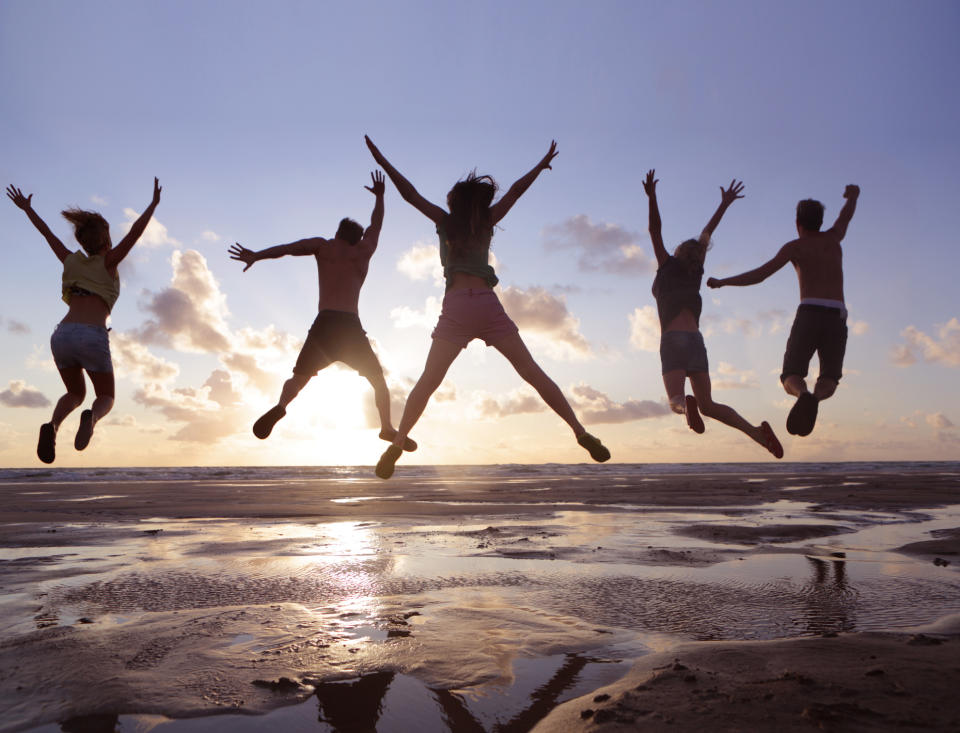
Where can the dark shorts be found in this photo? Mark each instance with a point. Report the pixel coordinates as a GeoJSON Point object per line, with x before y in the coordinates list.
{"type": "Point", "coordinates": [337, 336]}
{"type": "Point", "coordinates": [81, 345]}
{"type": "Point", "coordinates": [683, 350]}
{"type": "Point", "coordinates": [821, 329]}
{"type": "Point", "coordinates": [468, 314]}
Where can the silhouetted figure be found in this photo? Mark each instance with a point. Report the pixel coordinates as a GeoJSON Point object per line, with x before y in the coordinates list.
{"type": "Point", "coordinates": [336, 334]}
{"type": "Point", "coordinates": [470, 307]}
{"type": "Point", "coordinates": [683, 353]}
{"type": "Point", "coordinates": [820, 324]}
{"type": "Point", "coordinates": [80, 341]}
{"type": "Point", "coordinates": [355, 706]}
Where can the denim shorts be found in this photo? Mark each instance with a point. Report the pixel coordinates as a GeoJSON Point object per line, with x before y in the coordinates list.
{"type": "Point", "coordinates": [81, 345]}
{"type": "Point", "coordinates": [468, 314]}
{"type": "Point", "coordinates": [683, 350]}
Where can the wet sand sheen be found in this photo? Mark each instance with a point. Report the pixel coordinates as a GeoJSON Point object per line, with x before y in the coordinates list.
{"type": "Point", "coordinates": [463, 600]}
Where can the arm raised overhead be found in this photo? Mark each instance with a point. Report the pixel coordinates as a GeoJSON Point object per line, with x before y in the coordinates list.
{"type": "Point", "coordinates": [23, 202]}
{"type": "Point", "coordinates": [405, 188]}
{"type": "Point", "coordinates": [851, 193]}
{"type": "Point", "coordinates": [654, 224]}
{"type": "Point", "coordinates": [519, 187]}
{"type": "Point", "coordinates": [115, 256]}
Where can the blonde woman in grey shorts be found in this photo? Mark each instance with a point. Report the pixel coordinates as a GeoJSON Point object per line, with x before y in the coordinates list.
{"type": "Point", "coordinates": [683, 354]}
{"type": "Point", "coordinates": [471, 309]}
{"type": "Point", "coordinates": [80, 343]}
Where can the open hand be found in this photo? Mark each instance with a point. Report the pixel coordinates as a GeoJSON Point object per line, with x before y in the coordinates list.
{"type": "Point", "coordinates": [731, 194]}
{"type": "Point", "coordinates": [650, 183]}
{"type": "Point", "coordinates": [16, 195]}
{"type": "Point", "coordinates": [548, 158]}
{"type": "Point", "coordinates": [156, 191]}
{"type": "Point", "coordinates": [852, 191]}
{"type": "Point", "coordinates": [378, 186]}
{"type": "Point", "coordinates": [712, 282]}
{"type": "Point", "coordinates": [237, 252]}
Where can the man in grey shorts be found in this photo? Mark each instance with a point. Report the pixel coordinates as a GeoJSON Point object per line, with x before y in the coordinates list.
{"type": "Point", "coordinates": [821, 321]}
{"type": "Point", "coordinates": [336, 334]}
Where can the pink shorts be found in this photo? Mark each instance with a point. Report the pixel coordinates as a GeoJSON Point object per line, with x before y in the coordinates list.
{"type": "Point", "coordinates": [468, 314]}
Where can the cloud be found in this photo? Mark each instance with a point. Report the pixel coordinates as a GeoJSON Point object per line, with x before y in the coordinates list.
{"type": "Point", "coordinates": [769, 322]}
{"type": "Point", "coordinates": [189, 315]}
{"type": "Point", "coordinates": [247, 365]}
{"type": "Point", "coordinates": [645, 329]}
{"type": "Point", "coordinates": [421, 262]}
{"type": "Point", "coordinates": [209, 236]}
{"type": "Point", "coordinates": [155, 234]}
{"type": "Point", "coordinates": [729, 377]}
{"type": "Point", "coordinates": [521, 401]}
{"type": "Point", "coordinates": [19, 394]}
{"type": "Point", "coordinates": [942, 350]}
{"type": "Point", "coordinates": [596, 407]}
{"type": "Point", "coordinates": [100, 200]}
{"type": "Point", "coordinates": [205, 419]}
{"type": "Point", "coordinates": [17, 327]}
{"type": "Point", "coordinates": [406, 317]}
{"type": "Point", "coordinates": [133, 359]}
{"type": "Point", "coordinates": [939, 420]}
{"type": "Point", "coordinates": [544, 316]}
{"type": "Point", "coordinates": [602, 246]}
{"type": "Point", "coordinates": [859, 328]}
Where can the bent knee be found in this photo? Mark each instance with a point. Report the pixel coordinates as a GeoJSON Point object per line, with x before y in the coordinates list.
{"type": "Point", "coordinates": [678, 404]}
{"type": "Point", "coordinates": [825, 387]}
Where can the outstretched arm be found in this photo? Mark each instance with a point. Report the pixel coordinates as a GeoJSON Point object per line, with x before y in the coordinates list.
{"type": "Point", "coordinates": [115, 256]}
{"type": "Point", "coordinates": [300, 247]}
{"type": "Point", "coordinates": [650, 188]}
{"type": "Point", "coordinates": [760, 274]}
{"type": "Point", "coordinates": [23, 202]}
{"type": "Point", "coordinates": [368, 245]}
{"type": "Point", "coordinates": [851, 194]}
{"type": "Point", "coordinates": [500, 209]}
{"type": "Point", "coordinates": [406, 189]}
{"type": "Point", "coordinates": [727, 197]}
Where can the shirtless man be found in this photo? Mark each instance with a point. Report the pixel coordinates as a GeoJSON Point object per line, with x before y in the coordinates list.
{"type": "Point", "coordinates": [336, 334]}
{"type": "Point", "coordinates": [821, 321]}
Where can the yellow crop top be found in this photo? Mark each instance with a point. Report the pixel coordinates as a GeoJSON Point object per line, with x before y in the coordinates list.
{"type": "Point", "coordinates": [89, 273]}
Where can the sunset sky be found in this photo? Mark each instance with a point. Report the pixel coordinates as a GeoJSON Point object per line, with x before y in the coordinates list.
{"type": "Point", "coordinates": [252, 115]}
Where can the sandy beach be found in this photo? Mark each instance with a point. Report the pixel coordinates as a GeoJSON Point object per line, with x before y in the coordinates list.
{"type": "Point", "coordinates": [788, 597]}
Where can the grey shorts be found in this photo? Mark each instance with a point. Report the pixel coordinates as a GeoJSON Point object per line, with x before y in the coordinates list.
{"type": "Point", "coordinates": [683, 350]}
{"type": "Point", "coordinates": [81, 345]}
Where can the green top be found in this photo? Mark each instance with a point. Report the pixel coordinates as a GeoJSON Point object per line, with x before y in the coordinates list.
{"type": "Point", "coordinates": [473, 260]}
{"type": "Point", "coordinates": [89, 273]}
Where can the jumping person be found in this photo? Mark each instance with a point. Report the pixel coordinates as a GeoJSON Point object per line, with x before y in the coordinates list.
{"type": "Point", "coordinates": [821, 321]}
{"type": "Point", "coordinates": [336, 334]}
{"type": "Point", "coordinates": [683, 354]}
{"type": "Point", "coordinates": [470, 307]}
{"type": "Point", "coordinates": [80, 341]}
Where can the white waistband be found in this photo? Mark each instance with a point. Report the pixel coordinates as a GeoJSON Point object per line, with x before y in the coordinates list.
{"type": "Point", "coordinates": [825, 302]}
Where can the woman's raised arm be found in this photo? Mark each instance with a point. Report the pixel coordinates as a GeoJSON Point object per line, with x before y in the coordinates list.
{"type": "Point", "coordinates": [406, 189]}
{"type": "Point", "coordinates": [23, 202]}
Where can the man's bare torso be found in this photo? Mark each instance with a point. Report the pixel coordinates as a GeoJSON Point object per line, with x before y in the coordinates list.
{"type": "Point", "coordinates": [818, 260]}
{"type": "Point", "coordinates": [341, 277]}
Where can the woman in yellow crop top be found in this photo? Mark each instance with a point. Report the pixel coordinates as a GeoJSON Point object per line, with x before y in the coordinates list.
{"type": "Point", "coordinates": [90, 288]}
{"type": "Point", "coordinates": [470, 307]}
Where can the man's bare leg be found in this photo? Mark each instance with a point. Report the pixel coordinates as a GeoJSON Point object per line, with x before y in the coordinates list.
{"type": "Point", "coordinates": [291, 388]}
{"type": "Point", "coordinates": [381, 398]}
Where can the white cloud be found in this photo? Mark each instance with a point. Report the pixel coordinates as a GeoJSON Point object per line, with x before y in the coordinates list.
{"type": "Point", "coordinates": [209, 236]}
{"type": "Point", "coordinates": [19, 394]}
{"type": "Point", "coordinates": [155, 234]}
{"type": "Point", "coordinates": [422, 262]}
{"type": "Point", "coordinates": [406, 317]}
{"type": "Point", "coordinates": [944, 349]}
{"type": "Point", "coordinates": [939, 420]}
{"type": "Point", "coordinates": [728, 376]}
{"type": "Point", "coordinates": [99, 200]}
{"type": "Point", "coordinates": [602, 246]}
{"type": "Point", "coordinates": [859, 328]}
{"type": "Point", "coordinates": [134, 360]}
{"type": "Point", "coordinates": [517, 402]}
{"type": "Point", "coordinates": [544, 317]}
{"type": "Point", "coordinates": [595, 407]}
{"type": "Point", "coordinates": [645, 329]}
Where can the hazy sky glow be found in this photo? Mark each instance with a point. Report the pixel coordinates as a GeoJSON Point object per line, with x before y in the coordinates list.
{"type": "Point", "coordinates": [253, 114]}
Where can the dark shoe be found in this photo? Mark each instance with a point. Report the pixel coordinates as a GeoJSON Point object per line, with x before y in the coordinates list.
{"type": "Point", "coordinates": [86, 430]}
{"type": "Point", "coordinates": [389, 435]}
{"type": "Point", "coordinates": [387, 461]}
{"type": "Point", "coordinates": [263, 426]}
{"type": "Point", "coordinates": [803, 415]}
{"type": "Point", "coordinates": [694, 421]}
{"type": "Point", "coordinates": [46, 446]}
{"type": "Point", "coordinates": [594, 447]}
{"type": "Point", "coordinates": [770, 441]}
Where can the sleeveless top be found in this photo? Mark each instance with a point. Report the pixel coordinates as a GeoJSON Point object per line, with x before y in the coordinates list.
{"type": "Point", "coordinates": [89, 273]}
{"type": "Point", "coordinates": [676, 289]}
{"type": "Point", "coordinates": [473, 261]}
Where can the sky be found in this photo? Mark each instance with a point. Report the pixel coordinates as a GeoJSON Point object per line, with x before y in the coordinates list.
{"type": "Point", "coordinates": [252, 115]}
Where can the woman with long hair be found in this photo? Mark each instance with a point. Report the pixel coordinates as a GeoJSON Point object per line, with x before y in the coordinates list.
{"type": "Point", "coordinates": [471, 308]}
{"type": "Point", "coordinates": [80, 342]}
{"type": "Point", "coordinates": [683, 354]}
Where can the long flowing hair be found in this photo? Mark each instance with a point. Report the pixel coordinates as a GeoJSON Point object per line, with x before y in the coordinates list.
{"type": "Point", "coordinates": [89, 228]}
{"type": "Point", "coordinates": [469, 202]}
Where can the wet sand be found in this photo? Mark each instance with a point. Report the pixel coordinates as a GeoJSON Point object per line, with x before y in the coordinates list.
{"type": "Point", "coordinates": [450, 600]}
